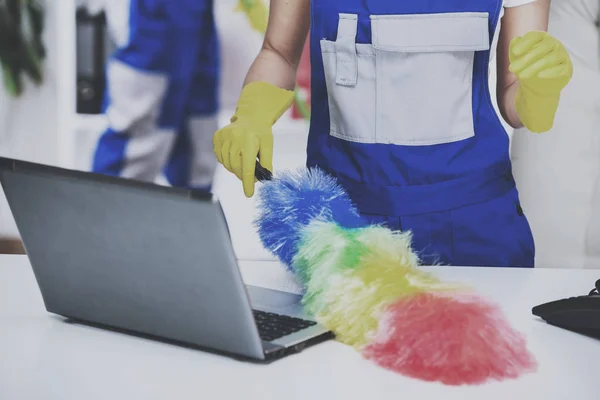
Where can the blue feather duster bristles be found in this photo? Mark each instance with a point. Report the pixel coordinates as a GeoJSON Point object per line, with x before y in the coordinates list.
{"type": "Point", "coordinates": [289, 203]}
{"type": "Point", "coordinates": [363, 283]}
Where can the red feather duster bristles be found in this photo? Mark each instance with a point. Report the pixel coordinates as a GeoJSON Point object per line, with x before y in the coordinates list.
{"type": "Point", "coordinates": [424, 336]}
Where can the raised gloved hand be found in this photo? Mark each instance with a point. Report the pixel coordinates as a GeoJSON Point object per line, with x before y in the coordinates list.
{"type": "Point", "coordinates": [543, 67]}
{"type": "Point", "coordinates": [250, 133]}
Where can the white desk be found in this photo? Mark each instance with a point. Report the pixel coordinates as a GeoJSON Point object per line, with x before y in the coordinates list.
{"type": "Point", "coordinates": [44, 358]}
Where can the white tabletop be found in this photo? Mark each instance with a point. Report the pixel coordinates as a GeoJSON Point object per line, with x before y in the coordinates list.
{"type": "Point", "coordinates": [44, 358]}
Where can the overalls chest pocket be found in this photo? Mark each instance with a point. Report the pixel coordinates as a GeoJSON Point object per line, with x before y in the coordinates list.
{"type": "Point", "coordinates": [412, 86]}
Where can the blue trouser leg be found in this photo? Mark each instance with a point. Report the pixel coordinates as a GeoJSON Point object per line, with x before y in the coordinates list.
{"type": "Point", "coordinates": [192, 162]}
{"type": "Point", "coordinates": [137, 74]}
{"type": "Point", "coordinates": [493, 233]}
{"type": "Point", "coordinates": [151, 79]}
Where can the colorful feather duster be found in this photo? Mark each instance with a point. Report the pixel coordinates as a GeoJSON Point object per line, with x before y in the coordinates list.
{"type": "Point", "coordinates": [363, 283]}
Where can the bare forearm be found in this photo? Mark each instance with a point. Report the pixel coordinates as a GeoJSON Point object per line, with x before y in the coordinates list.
{"type": "Point", "coordinates": [278, 60]}
{"type": "Point", "coordinates": [506, 97]}
{"type": "Point", "coordinates": [271, 67]}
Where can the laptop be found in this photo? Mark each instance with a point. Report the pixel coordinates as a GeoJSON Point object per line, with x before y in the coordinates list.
{"type": "Point", "coordinates": [148, 260]}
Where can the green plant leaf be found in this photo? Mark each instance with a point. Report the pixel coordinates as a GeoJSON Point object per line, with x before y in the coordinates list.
{"type": "Point", "coordinates": [11, 82]}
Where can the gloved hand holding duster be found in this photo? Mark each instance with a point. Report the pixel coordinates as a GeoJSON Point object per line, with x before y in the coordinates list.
{"type": "Point", "coordinates": [250, 132]}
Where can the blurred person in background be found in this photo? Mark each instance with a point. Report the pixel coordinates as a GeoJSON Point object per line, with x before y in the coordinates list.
{"type": "Point", "coordinates": [162, 92]}
{"type": "Point", "coordinates": [558, 173]}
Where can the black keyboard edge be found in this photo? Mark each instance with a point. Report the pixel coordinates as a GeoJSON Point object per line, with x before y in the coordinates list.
{"type": "Point", "coordinates": [273, 326]}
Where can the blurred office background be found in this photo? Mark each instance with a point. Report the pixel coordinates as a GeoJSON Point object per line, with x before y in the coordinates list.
{"type": "Point", "coordinates": [59, 122]}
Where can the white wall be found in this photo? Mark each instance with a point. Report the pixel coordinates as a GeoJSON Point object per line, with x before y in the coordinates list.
{"type": "Point", "coordinates": [28, 124]}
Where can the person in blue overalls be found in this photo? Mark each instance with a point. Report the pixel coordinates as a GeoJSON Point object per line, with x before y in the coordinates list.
{"type": "Point", "coordinates": [162, 92]}
{"type": "Point", "coordinates": [402, 114]}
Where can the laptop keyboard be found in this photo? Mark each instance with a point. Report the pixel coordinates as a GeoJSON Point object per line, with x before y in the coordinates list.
{"type": "Point", "coordinates": [274, 326]}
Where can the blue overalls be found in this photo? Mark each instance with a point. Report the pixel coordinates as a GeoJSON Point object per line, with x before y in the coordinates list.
{"type": "Point", "coordinates": [162, 96]}
{"type": "Point", "coordinates": [402, 116]}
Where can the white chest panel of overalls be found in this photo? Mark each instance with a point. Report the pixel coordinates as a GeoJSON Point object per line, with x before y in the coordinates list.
{"type": "Point", "coordinates": [412, 85]}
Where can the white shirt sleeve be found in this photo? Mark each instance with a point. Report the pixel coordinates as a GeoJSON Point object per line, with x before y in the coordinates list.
{"type": "Point", "coordinates": [515, 3]}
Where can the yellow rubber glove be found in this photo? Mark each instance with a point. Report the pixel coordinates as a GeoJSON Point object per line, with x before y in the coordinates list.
{"type": "Point", "coordinates": [250, 133]}
{"type": "Point", "coordinates": [543, 67]}
{"type": "Point", "coordinates": [257, 13]}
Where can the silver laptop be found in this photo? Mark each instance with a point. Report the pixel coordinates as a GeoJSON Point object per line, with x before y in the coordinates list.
{"type": "Point", "coordinates": [147, 260]}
